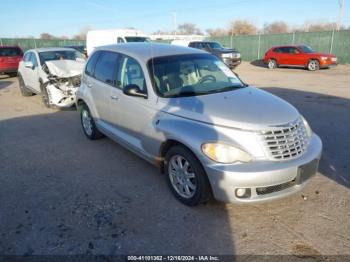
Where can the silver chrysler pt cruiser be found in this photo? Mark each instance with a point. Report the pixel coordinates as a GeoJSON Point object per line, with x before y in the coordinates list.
{"type": "Point", "coordinates": [185, 111]}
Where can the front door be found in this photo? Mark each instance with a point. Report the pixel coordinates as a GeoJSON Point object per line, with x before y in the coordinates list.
{"type": "Point", "coordinates": [129, 114]}
{"type": "Point", "coordinates": [31, 75]}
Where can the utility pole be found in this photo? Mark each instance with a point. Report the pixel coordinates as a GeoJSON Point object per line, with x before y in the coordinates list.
{"type": "Point", "coordinates": [340, 14]}
{"type": "Point", "coordinates": [174, 23]}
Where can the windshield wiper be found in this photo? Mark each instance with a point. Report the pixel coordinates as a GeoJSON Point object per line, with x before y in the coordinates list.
{"type": "Point", "coordinates": [225, 89]}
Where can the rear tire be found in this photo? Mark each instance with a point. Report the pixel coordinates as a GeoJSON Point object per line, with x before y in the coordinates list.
{"type": "Point", "coordinates": [88, 124]}
{"type": "Point", "coordinates": [272, 64]}
{"type": "Point", "coordinates": [186, 176]}
{"type": "Point", "coordinates": [313, 65]}
{"type": "Point", "coordinates": [22, 87]}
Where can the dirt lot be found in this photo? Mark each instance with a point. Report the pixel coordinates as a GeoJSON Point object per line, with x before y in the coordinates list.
{"type": "Point", "coordinates": [63, 194]}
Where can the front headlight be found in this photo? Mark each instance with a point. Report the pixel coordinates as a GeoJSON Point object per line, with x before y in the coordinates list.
{"type": "Point", "coordinates": [223, 153]}
{"type": "Point", "coordinates": [307, 126]}
{"type": "Point", "coordinates": [324, 57]}
{"type": "Point", "coordinates": [226, 55]}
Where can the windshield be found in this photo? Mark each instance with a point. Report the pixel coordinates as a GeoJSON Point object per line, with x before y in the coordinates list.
{"type": "Point", "coordinates": [306, 49]}
{"type": "Point", "coordinates": [136, 39]}
{"type": "Point", "coordinates": [79, 48]}
{"type": "Point", "coordinates": [214, 45]}
{"type": "Point", "coordinates": [60, 55]}
{"type": "Point", "coordinates": [191, 75]}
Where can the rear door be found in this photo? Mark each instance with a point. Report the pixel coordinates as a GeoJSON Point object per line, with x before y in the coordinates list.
{"type": "Point", "coordinates": [293, 56]}
{"type": "Point", "coordinates": [282, 57]}
{"type": "Point", "coordinates": [104, 77]}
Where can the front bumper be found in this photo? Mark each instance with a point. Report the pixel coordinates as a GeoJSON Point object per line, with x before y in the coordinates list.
{"type": "Point", "coordinates": [232, 62]}
{"type": "Point", "coordinates": [266, 180]}
{"type": "Point", "coordinates": [328, 63]}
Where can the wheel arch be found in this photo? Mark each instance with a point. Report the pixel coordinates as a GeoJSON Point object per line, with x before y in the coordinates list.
{"type": "Point", "coordinates": [165, 147]}
{"type": "Point", "coordinates": [80, 103]}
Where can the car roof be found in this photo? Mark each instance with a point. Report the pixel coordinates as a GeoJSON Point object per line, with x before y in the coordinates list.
{"type": "Point", "coordinates": [292, 45]}
{"type": "Point", "coordinates": [46, 49]}
{"type": "Point", "coordinates": [146, 51]}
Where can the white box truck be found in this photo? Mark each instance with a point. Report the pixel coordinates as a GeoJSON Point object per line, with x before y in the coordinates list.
{"type": "Point", "coordinates": [97, 38]}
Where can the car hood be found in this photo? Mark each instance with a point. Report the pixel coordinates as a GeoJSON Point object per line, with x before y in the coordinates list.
{"type": "Point", "coordinates": [245, 108]}
{"type": "Point", "coordinates": [65, 68]}
{"type": "Point", "coordinates": [226, 50]}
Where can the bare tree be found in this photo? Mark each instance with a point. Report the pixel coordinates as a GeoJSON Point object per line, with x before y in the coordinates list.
{"type": "Point", "coordinates": [242, 27]}
{"type": "Point", "coordinates": [315, 26]}
{"type": "Point", "coordinates": [46, 36]}
{"type": "Point", "coordinates": [277, 27]}
{"type": "Point", "coordinates": [217, 32]}
{"type": "Point", "coordinates": [82, 33]}
{"type": "Point", "coordinates": [189, 29]}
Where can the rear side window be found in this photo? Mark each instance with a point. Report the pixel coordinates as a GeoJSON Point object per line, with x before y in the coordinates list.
{"type": "Point", "coordinates": [284, 50]}
{"type": "Point", "coordinates": [120, 40]}
{"type": "Point", "coordinates": [105, 69]}
{"type": "Point", "coordinates": [10, 51]}
{"type": "Point", "coordinates": [89, 70]}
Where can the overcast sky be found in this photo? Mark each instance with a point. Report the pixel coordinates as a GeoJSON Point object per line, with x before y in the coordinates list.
{"type": "Point", "coordinates": [20, 18]}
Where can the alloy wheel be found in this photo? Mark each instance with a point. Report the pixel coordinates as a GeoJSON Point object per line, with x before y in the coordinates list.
{"type": "Point", "coordinates": [87, 122]}
{"type": "Point", "coordinates": [182, 177]}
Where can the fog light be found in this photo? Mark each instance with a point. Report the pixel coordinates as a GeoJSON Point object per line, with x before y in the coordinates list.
{"type": "Point", "coordinates": [243, 192]}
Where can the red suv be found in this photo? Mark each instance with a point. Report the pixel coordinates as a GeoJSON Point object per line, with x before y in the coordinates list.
{"type": "Point", "coordinates": [298, 56]}
{"type": "Point", "coordinates": [9, 59]}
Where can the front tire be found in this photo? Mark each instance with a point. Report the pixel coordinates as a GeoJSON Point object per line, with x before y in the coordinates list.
{"type": "Point", "coordinates": [272, 64]}
{"type": "Point", "coordinates": [313, 65]}
{"type": "Point", "coordinates": [22, 87]}
{"type": "Point", "coordinates": [186, 177]}
{"type": "Point", "coordinates": [88, 124]}
{"type": "Point", "coordinates": [45, 96]}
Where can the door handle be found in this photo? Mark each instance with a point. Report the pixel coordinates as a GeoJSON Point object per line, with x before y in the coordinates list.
{"type": "Point", "coordinates": [114, 98]}
{"type": "Point", "coordinates": [89, 85]}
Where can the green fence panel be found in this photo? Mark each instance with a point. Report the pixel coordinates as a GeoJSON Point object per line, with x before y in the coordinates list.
{"type": "Point", "coordinates": [26, 44]}
{"type": "Point", "coordinates": [341, 46]}
{"type": "Point", "coordinates": [254, 47]}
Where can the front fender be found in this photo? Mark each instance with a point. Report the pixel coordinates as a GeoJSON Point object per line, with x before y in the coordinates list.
{"type": "Point", "coordinates": [188, 132]}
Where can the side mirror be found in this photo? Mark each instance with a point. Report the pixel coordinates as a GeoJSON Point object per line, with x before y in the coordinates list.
{"type": "Point", "coordinates": [29, 64]}
{"type": "Point", "coordinates": [133, 90]}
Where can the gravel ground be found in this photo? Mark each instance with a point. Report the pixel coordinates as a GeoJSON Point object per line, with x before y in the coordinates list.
{"type": "Point", "coordinates": [63, 194]}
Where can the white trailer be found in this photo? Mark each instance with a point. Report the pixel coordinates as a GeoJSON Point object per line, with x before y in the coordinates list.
{"type": "Point", "coordinates": [97, 38]}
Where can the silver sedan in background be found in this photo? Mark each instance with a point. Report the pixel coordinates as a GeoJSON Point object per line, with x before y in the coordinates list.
{"type": "Point", "coordinates": [185, 111]}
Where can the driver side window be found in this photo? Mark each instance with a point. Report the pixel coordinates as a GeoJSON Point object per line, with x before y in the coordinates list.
{"type": "Point", "coordinates": [34, 60]}
{"type": "Point", "coordinates": [131, 73]}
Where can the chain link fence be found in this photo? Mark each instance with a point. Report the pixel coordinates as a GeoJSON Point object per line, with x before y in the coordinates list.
{"type": "Point", "coordinates": [26, 44]}
{"type": "Point", "coordinates": [254, 47]}
{"type": "Point", "coordinates": [251, 47]}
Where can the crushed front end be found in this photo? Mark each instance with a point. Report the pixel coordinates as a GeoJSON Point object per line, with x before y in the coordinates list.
{"type": "Point", "coordinates": [62, 81]}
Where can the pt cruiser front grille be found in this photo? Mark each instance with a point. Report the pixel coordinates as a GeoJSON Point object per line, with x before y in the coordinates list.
{"type": "Point", "coordinates": [285, 142]}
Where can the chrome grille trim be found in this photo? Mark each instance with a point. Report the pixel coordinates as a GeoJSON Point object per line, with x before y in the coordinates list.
{"type": "Point", "coordinates": [284, 142]}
